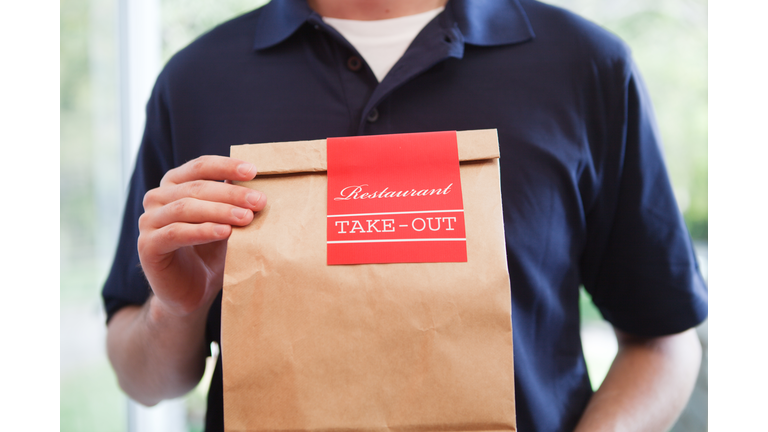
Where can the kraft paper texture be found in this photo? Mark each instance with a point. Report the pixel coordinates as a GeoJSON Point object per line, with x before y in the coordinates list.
{"type": "Point", "coordinates": [374, 347]}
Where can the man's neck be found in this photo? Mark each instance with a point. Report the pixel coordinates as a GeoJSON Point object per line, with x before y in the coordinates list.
{"type": "Point", "coordinates": [370, 10]}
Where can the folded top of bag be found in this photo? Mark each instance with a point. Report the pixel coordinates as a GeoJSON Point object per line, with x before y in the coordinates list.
{"type": "Point", "coordinates": [310, 156]}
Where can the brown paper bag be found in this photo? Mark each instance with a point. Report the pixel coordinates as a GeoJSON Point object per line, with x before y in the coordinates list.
{"type": "Point", "coordinates": [376, 347]}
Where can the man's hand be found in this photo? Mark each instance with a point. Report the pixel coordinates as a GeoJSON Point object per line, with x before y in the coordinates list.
{"type": "Point", "coordinates": [158, 350]}
{"type": "Point", "coordinates": [183, 230]}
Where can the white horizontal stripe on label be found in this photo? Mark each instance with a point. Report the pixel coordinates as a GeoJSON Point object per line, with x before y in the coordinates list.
{"type": "Point", "coordinates": [405, 212]}
{"type": "Point", "coordinates": [396, 240]}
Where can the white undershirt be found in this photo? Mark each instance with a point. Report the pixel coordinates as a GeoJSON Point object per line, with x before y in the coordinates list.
{"type": "Point", "coordinates": [382, 42]}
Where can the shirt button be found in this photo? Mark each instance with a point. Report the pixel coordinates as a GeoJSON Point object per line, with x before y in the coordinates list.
{"type": "Point", "coordinates": [373, 116]}
{"type": "Point", "coordinates": [354, 63]}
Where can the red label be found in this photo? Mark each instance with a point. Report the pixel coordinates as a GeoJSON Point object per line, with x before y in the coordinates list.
{"type": "Point", "coordinates": [394, 199]}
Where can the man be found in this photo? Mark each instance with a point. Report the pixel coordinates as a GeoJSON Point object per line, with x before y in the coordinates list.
{"type": "Point", "coordinates": [586, 198]}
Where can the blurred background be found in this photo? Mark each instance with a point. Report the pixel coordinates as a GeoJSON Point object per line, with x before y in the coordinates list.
{"type": "Point", "coordinates": [111, 52]}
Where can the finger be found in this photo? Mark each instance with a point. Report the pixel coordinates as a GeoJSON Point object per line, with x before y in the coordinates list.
{"type": "Point", "coordinates": [210, 168]}
{"type": "Point", "coordinates": [154, 245]}
{"type": "Point", "coordinates": [190, 210]}
{"type": "Point", "coordinates": [206, 191]}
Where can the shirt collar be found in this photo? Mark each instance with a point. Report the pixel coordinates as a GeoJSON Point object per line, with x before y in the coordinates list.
{"type": "Point", "coordinates": [480, 22]}
{"type": "Point", "coordinates": [489, 23]}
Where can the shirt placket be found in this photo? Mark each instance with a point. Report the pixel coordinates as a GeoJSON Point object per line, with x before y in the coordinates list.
{"type": "Point", "coordinates": [356, 80]}
{"type": "Point", "coordinates": [367, 99]}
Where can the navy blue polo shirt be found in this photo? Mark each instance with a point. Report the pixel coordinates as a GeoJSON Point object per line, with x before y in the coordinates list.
{"type": "Point", "coordinates": [586, 198]}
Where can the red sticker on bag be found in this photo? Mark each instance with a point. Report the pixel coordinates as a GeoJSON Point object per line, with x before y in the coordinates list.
{"type": "Point", "coordinates": [395, 199]}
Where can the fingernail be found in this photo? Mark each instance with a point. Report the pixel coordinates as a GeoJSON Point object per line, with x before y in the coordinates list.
{"type": "Point", "coordinates": [254, 198]}
{"type": "Point", "coordinates": [221, 230]}
{"type": "Point", "coordinates": [246, 169]}
{"type": "Point", "coordinates": [239, 212]}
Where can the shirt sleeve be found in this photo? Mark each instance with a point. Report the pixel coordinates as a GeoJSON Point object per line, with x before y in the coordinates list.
{"type": "Point", "coordinates": [639, 265]}
{"type": "Point", "coordinates": [126, 283]}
